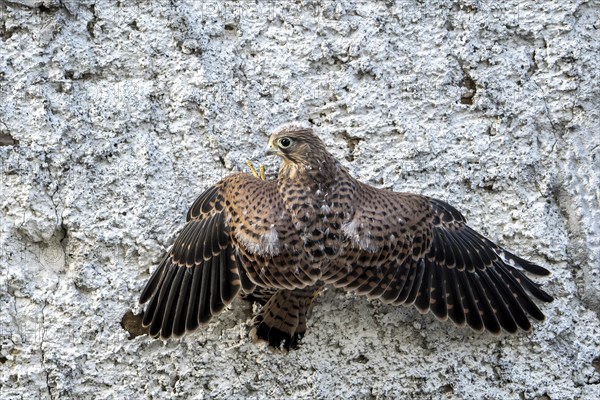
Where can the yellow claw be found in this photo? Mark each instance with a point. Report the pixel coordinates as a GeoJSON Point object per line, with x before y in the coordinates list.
{"type": "Point", "coordinates": [261, 174]}
{"type": "Point", "coordinates": [252, 170]}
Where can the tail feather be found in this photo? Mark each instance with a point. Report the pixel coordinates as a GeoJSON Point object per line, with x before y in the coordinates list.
{"type": "Point", "coordinates": [282, 320]}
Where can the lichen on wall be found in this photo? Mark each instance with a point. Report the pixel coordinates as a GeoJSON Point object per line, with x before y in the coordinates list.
{"type": "Point", "coordinates": [115, 115]}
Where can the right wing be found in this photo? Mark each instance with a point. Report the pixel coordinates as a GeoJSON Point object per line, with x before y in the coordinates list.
{"type": "Point", "coordinates": [410, 249]}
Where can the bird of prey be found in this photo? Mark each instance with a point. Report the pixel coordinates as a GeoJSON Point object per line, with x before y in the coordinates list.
{"type": "Point", "coordinates": [280, 241]}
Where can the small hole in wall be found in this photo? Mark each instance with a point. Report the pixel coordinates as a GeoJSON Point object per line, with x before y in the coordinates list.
{"type": "Point", "coordinates": [596, 364]}
{"type": "Point", "coordinates": [7, 140]}
{"type": "Point", "coordinates": [133, 324]}
{"type": "Point", "coordinates": [470, 89]}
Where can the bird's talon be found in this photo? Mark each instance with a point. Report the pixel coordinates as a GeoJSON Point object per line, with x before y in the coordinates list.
{"type": "Point", "coordinates": [261, 174]}
{"type": "Point", "coordinates": [251, 167]}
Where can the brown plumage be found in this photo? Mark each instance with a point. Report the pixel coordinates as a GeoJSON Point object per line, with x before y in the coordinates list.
{"type": "Point", "coordinates": [279, 241]}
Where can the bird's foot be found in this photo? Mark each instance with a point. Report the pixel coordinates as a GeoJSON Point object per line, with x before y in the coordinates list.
{"type": "Point", "coordinates": [261, 174]}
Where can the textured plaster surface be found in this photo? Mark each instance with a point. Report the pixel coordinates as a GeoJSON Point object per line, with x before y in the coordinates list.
{"type": "Point", "coordinates": [115, 115]}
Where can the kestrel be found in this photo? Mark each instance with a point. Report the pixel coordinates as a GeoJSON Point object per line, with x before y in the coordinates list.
{"type": "Point", "coordinates": [280, 241]}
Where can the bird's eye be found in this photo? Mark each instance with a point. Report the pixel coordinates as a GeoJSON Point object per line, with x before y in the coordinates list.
{"type": "Point", "coordinates": [285, 142]}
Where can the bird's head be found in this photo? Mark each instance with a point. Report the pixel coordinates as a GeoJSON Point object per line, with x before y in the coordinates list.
{"type": "Point", "coordinates": [299, 148]}
{"type": "Point", "coordinates": [296, 144]}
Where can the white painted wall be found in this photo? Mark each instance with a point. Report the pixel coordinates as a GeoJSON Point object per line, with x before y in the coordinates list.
{"type": "Point", "coordinates": [125, 111]}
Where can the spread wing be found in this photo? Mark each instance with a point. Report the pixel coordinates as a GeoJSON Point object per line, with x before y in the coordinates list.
{"type": "Point", "coordinates": [411, 249]}
{"type": "Point", "coordinates": [198, 276]}
{"type": "Point", "coordinates": [238, 235]}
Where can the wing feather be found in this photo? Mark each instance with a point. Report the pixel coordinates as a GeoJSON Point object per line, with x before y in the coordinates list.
{"type": "Point", "coordinates": [166, 329]}
{"type": "Point", "coordinates": [204, 307]}
{"type": "Point", "coordinates": [392, 287]}
{"type": "Point", "coordinates": [472, 311]}
{"type": "Point", "coordinates": [159, 301]}
{"type": "Point", "coordinates": [247, 285]}
{"type": "Point", "coordinates": [183, 302]}
{"type": "Point", "coordinates": [191, 321]}
{"type": "Point", "coordinates": [488, 315]}
{"type": "Point", "coordinates": [498, 303]}
{"type": "Point", "coordinates": [511, 294]}
{"type": "Point", "coordinates": [216, 304]}
{"type": "Point", "coordinates": [438, 302]}
{"type": "Point", "coordinates": [456, 310]}
{"type": "Point", "coordinates": [389, 272]}
{"type": "Point", "coordinates": [203, 204]}
{"type": "Point", "coordinates": [228, 273]}
{"type": "Point", "coordinates": [408, 282]}
{"type": "Point", "coordinates": [423, 297]}
{"type": "Point", "coordinates": [416, 283]}
{"type": "Point", "coordinates": [189, 253]}
{"type": "Point", "coordinates": [209, 244]}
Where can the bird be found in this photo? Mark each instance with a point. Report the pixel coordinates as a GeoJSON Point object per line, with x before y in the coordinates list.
{"type": "Point", "coordinates": [281, 241]}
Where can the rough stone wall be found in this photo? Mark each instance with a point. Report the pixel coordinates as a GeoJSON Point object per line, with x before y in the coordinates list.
{"type": "Point", "coordinates": [114, 115]}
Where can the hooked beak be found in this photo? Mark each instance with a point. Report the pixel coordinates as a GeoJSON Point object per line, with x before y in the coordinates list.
{"type": "Point", "coordinates": [271, 150]}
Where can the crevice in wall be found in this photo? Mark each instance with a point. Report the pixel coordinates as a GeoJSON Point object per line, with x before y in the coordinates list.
{"type": "Point", "coordinates": [351, 142]}
{"type": "Point", "coordinates": [43, 352]}
{"type": "Point", "coordinates": [92, 22]}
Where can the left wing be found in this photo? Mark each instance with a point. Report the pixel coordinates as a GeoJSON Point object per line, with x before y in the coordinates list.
{"type": "Point", "coordinates": [199, 274]}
